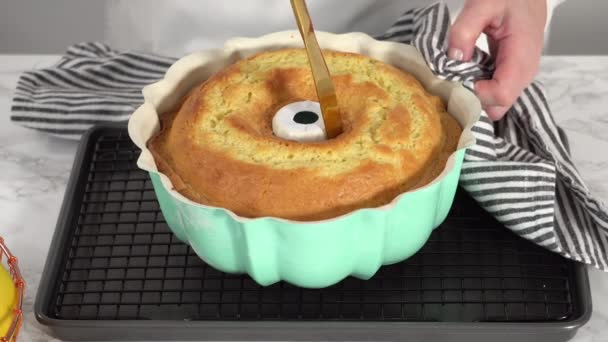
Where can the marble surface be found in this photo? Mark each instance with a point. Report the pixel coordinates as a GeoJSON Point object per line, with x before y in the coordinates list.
{"type": "Point", "coordinates": [34, 169]}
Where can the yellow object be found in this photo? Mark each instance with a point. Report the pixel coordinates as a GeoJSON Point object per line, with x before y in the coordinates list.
{"type": "Point", "coordinates": [8, 301]}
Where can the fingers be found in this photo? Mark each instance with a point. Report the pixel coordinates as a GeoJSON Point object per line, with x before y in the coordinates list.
{"type": "Point", "coordinates": [516, 66]}
{"type": "Point", "coordinates": [476, 16]}
{"type": "Point", "coordinates": [515, 30]}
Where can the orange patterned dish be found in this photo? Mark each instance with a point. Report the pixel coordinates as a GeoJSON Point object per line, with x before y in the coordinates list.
{"type": "Point", "coordinates": [12, 287]}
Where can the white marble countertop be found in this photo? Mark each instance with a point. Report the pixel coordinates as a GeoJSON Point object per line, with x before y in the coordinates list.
{"type": "Point", "coordinates": [34, 169]}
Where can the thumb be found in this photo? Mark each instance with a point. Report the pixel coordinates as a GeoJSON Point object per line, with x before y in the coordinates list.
{"type": "Point", "coordinates": [475, 17]}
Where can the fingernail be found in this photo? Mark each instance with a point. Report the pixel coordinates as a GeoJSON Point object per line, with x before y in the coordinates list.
{"type": "Point", "coordinates": [486, 99]}
{"type": "Point", "coordinates": [496, 113]}
{"type": "Point", "coordinates": [455, 54]}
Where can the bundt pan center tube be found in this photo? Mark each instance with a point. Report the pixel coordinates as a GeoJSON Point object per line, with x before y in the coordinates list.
{"type": "Point", "coordinates": [308, 253]}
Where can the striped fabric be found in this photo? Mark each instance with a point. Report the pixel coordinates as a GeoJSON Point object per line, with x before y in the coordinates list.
{"type": "Point", "coordinates": [90, 84]}
{"type": "Point", "coordinates": [519, 171]}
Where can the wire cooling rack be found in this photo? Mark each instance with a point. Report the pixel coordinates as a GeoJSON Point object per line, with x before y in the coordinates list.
{"type": "Point", "coordinates": [119, 261]}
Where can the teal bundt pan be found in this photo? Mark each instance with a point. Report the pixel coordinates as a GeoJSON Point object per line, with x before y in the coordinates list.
{"type": "Point", "coordinates": [307, 254]}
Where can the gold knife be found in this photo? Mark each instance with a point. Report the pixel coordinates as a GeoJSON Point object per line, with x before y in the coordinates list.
{"type": "Point", "coordinates": [323, 83]}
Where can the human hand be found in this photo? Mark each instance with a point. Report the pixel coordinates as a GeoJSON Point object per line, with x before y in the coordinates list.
{"type": "Point", "coordinates": [515, 31]}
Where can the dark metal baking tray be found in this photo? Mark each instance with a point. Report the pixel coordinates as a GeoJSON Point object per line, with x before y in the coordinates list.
{"type": "Point", "coordinates": [114, 271]}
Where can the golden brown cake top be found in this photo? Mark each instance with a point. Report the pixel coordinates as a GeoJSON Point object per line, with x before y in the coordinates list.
{"type": "Point", "coordinates": [218, 147]}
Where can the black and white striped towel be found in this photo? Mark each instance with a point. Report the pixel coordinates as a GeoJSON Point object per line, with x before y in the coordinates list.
{"type": "Point", "coordinates": [519, 170]}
